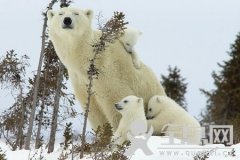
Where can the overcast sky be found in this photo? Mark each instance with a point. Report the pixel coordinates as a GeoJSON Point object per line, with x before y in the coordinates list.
{"type": "Point", "coordinates": [193, 35]}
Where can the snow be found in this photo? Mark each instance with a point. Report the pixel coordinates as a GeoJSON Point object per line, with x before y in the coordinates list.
{"type": "Point", "coordinates": [164, 151]}
{"type": "Point", "coordinates": [158, 145]}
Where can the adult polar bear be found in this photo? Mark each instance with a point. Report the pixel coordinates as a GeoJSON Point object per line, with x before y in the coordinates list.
{"type": "Point", "coordinates": [71, 33]}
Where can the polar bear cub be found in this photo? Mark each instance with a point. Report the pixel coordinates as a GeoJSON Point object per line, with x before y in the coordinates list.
{"type": "Point", "coordinates": [129, 40]}
{"type": "Point", "coordinates": [166, 116]}
{"type": "Point", "coordinates": [132, 109]}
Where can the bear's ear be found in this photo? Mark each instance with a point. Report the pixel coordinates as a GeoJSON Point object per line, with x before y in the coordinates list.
{"type": "Point", "coordinates": [89, 14]}
{"type": "Point", "coordinates": [140, 100]}
{"type": "Point", "coordinates": [158, 100]}
{"type": "Point", "coordinates": [50, 14]}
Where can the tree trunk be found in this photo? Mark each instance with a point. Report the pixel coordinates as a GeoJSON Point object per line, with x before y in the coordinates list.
{"type": "Point", "coordinates": [38, 136]}
{"type": "Point", "coordinates": [19, 140]}
{"type": "Point", "coordinates": [36, 85]}
{"type": "Point", "coordinates": [56, 109]}
{"type": "Point", "coordinates": [83, 139]}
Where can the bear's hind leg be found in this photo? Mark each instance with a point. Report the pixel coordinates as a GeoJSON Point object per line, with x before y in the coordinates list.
{"type": "Point", "coordinates": [95, 116]}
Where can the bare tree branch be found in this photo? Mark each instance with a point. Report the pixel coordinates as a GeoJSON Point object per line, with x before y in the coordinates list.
{"type": "Point", "coordinates": [112, 30]}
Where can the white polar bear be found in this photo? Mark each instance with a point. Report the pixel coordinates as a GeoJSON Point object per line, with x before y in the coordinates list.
{"type": "Point", "coordinates": [165, 115]}
{"type": "Point", "coordinates": [72, 36]}
{"type": "Point", "coordinates": [132, 110]}
{"type": "Point", "coordinates": [129, 40]}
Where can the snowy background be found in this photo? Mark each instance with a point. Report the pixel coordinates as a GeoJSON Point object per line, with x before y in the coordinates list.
{"type": "Point", "coordinates": [193, 35]}
{"type": "Point", "coordinates": [156, 144]}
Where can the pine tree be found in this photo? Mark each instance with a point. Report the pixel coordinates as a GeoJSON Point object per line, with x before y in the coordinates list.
{"type": "Point", "coordinates": [223, 104]}
{"type": "Point", "coordinates": [67, 135]}
{"type": "Point", "coordinates": [12, 73]}
{"type": "Point", "coordinates": [175, 86]}
{"type": "Point", "coordinates": [37, 82]}
{"type": "Point", "coordinates": [46, 90]}
{"type": "Point", "coordinates": [62, 73]}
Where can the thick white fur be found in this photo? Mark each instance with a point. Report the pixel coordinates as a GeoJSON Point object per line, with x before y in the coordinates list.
{"type": "Point", "coordinates": [117, 79]}
{"type": "Point", "coordinates": [132, 110]}
{"type": "Point", "coordinates": [129, 40]}
{"type": "Point", "coordinates": [163, 110]}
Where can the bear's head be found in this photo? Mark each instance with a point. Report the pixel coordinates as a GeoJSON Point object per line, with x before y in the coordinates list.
{"type": "Point", "coordinates": [69, 22]}
{"type": "Point", "coordinates": [155, 106]}
{"type": "Point", "coordinates": [129, 38]}
{"type": "Point", "coordinates": [129, 105]}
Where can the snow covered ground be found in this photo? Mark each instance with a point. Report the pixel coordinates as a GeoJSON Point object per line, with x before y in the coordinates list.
{"type": "Point", "coordinates": [158, 145]}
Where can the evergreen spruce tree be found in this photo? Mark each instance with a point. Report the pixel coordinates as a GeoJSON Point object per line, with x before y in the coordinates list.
{"type": "Point", "coordinates": [37, 97]}
{"type": "Point", "coordinates": [175, 86]}
{"type": "Point", "coordinates": [12, 75]}
{"type": "Point", "coordinates": [68, 135]}
{"type": "Point", "coordinates": [223, 104]}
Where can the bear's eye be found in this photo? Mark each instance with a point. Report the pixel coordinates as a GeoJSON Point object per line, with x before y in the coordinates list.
{"type": "Point", "coordinates": [125, 101]}
{"type": "Point", "coordinates": [127, 44]}
{"type": "Point", "coordinates": [60, 14]}
{"type": "Point", "coordinates": [150, 109]}
{"type": "Point", "coordinates": [75, 13]}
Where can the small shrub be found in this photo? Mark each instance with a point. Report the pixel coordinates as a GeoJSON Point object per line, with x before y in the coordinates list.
{"type": "Point", "coordinates": [2, 155]}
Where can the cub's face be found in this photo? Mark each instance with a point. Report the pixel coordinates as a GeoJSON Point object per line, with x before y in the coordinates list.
{"type": "Point", "coordinates": [129, 43]}
{"type": "Point", "coordinates": [154, 107]}
{"type": "Point", "coordinates": [129, 104]}
{"type": "Point", "coordinates": [69, 21]}
{"type": "Point", "coordinates": [129, 39]}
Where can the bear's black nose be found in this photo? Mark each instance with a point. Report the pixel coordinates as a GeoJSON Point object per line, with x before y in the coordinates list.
{"type": "Point", "coordinates": [116, 105]}
{"type": "Point", "coordinates": [67, 21]}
